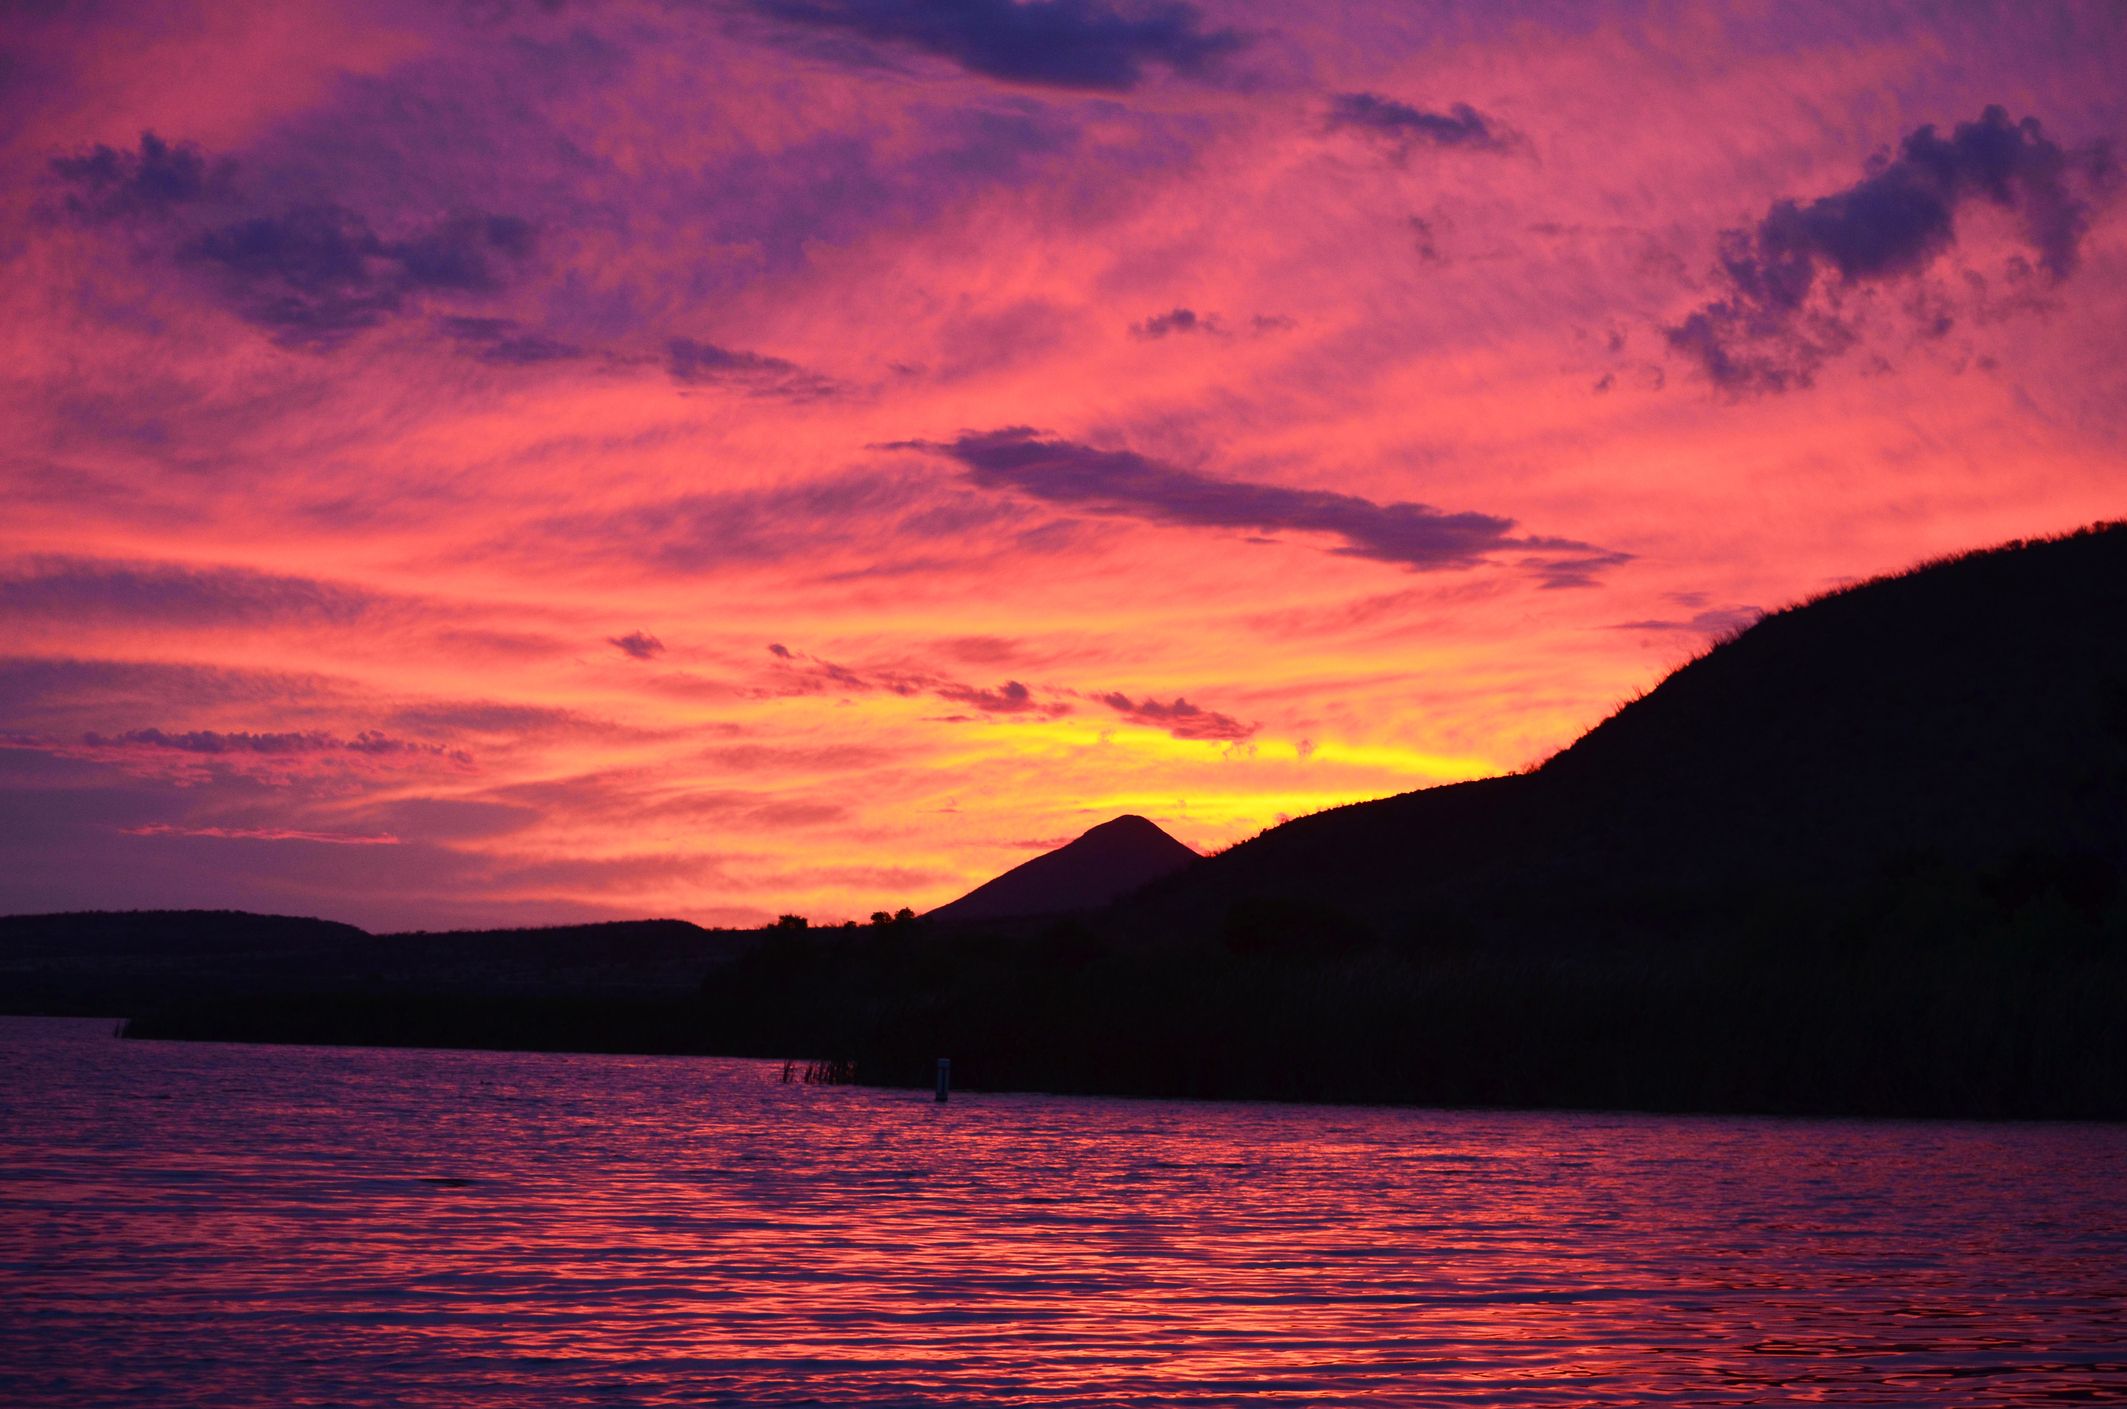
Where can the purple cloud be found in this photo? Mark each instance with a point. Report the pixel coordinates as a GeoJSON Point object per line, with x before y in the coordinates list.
{"type": "Point", "coordinates": [1177, 320]}
{"type": "Point", "coordinates": [1180, 718]}
{"type": "Point", "coordinates": [310, 273]}
{"type": "Point", "coordinates": [502, 342]}
{"type": "Point", "coordinates": [1121, 482]}
{"type": "Point", "coordinates": [704, 363]}
{"type": "Point", "coordinates": [1400, 126]}
{"type": "Point", "coordinates": [108, 184]}
{"type": "Point", "coordinates": [369, 742]}
{"type": "Point", "coordinates": [1764, 334]}
{"type": "Point", "coordinates": [640, 645]}
{"type": "Point", "coordinates": [1084, 44]}
{"type": "Point", "coordinates": [76, 588]}
{"type": "Point", "coordinates": [314, 274]}
{"type": "Point", "coordinates": [1010, 698]}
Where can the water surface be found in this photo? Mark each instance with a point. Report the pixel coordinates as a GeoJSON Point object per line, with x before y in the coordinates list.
{"type": "Point", "coordinates": [215, 1224]}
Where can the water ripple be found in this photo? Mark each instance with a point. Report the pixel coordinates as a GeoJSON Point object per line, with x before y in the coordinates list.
{"type": "Point", "coordinates": [194, 1224]}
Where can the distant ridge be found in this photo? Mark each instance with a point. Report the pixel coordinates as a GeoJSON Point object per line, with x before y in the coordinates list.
{"type": "Point", "coordinates": [133, 962]}
{"type": "Point", "coordinates": [1102, 866]}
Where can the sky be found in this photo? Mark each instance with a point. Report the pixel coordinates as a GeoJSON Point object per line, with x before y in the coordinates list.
{"type": "Point", "coordinates": [493, 464]}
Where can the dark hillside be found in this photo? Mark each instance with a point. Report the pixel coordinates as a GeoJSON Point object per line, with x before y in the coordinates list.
{"type": "Point", "coordinates": [1970, 714]}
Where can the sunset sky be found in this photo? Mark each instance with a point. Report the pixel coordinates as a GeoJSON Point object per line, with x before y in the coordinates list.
{"type": "Point", "coordinates": [488, 463]}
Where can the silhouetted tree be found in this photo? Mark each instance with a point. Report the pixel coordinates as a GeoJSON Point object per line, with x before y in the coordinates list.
{"type": "Point", "coordinates": [790, 922]}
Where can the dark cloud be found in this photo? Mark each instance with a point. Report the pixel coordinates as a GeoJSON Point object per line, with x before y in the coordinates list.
{"type": "Point", "coordinates": [1180, 718]}
{"type": "Point", "coordinates": [1766, 332]}
{"type": "Point", "coordinates": [1177, 320]}
{"type": "Point", "coordinates": [172, 829]}
{"type": "Point", "coordinates": [1085, 44]}
{"type": "Point", "coordinates": [311, 273]}
{"type": "Point", "coordinates": [808, 674]}
{"type": "Point", "coordinates": [1423, 237]}
{"type": "Point", "coordinates": [779, 650]}
{"type": "Point", "coordinates": [1714, 621]}
{"type": "Point", "coordinates": [704, 363]}
{"type": "Point", "coordinates": [107, 184]}
{"type": "Point", "coordinates": [1120, 482]}
{"type": "Point", "coordinates": [1574, 570]}
{"type": "Point", "coordinates": [215, 741]}
{"type": "Point", "coordinates": [78, 588]}
{"type": "Point", "coordinates": [495, 719]}
{"type": "Point", "coordinates": [49, 691]}
{"type": "Point", "coordinates": [639, 644]}
{"type": "Point", "coordinates": [1399, 126]}
{"type": "Point", "coordinates": [314, 274]}
{"type": "Point", "coordinates": [502, 342]}
{"type": "Point", "coordinates": [1010, 698]}
{"type": "Point", "coordinates": [1187, 320]}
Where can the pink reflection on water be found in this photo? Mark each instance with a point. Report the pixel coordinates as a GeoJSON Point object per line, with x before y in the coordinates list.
{"type": "Point", "coordinates": [237, 1225]}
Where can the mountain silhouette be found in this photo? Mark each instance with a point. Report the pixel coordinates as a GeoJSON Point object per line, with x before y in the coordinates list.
{"type": "Point", "coordinates": [1105, 864]}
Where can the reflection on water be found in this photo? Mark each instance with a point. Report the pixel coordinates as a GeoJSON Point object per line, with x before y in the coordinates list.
{"type": "Point", "coordinates": [198, 1224]}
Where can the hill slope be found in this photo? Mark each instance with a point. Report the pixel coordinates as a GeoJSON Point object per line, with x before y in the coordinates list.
{"type": "Point", "coordinates": [1105, 864]}
{"type": "Point", "coordinates": [1969, 714]}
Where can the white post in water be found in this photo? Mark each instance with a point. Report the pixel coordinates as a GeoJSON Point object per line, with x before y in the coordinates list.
{"type": "Point", "coordinates": [945, 1077]}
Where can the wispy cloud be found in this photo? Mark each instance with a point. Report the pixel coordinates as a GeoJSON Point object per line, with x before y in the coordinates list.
{"type": "Point", "coordinates": [1179, 717]}
{"type": "Point", "coordinates": [1123, 482]}
{"type": "Point", "coordinates": [1399, 127]}
{"type": "Point", "coordinates": [693, 363]}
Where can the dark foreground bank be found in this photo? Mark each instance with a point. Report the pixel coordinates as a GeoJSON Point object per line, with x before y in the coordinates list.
{"type": "Point", "coordinates": [1931, 992]}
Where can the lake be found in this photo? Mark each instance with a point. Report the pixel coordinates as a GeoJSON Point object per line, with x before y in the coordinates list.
{"type": "Point", "coordinates": [193, 1224]}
